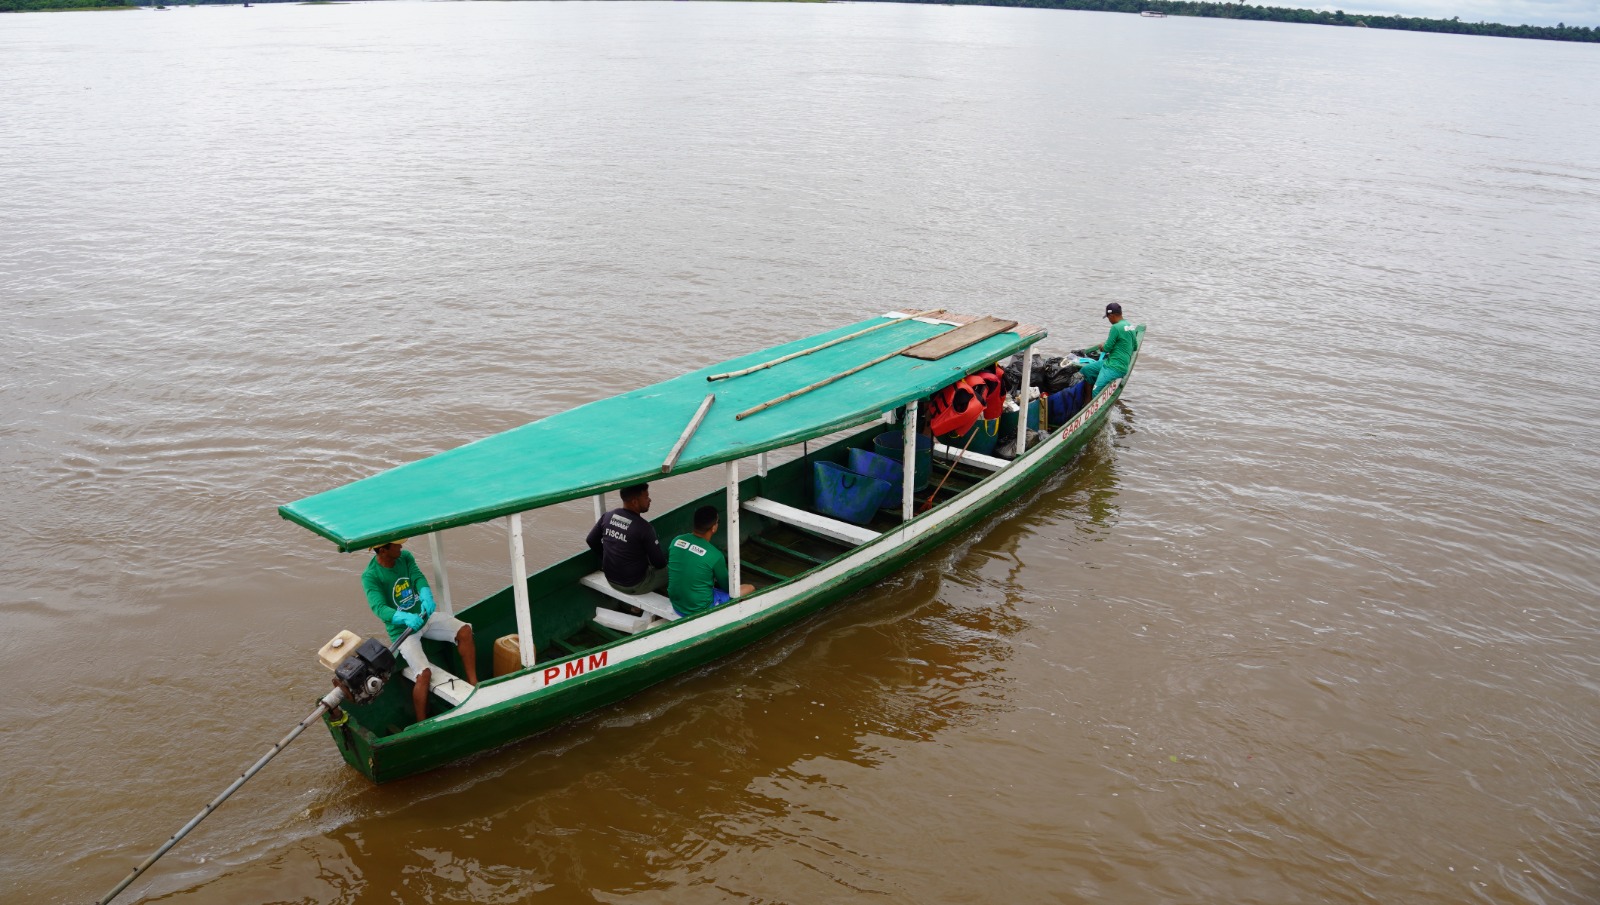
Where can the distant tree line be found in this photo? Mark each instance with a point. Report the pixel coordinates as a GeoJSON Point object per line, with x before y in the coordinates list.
{"type": "Point", "coordinates": [1562, 32]}
{"type": "Point", "coordinates": [12, 6]}
{"type": "Point", "coordinates": [17, 6]}
{"type": "Point", "coordinates": [1454, 25]}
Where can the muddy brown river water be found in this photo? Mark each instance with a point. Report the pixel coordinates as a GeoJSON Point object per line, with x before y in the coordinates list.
{"type": "Point", "coordinates": [1313, 620]}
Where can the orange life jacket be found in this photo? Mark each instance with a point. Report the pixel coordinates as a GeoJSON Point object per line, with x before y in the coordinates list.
{"type": "Point", "coordinates": [994, 403]}
{"type": "Point", "coordinates": [954, 409]}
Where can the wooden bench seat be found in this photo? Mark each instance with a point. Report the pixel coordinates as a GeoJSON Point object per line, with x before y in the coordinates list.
{"type": "Point", "coordinates": [820, 525]}
{"type": "Point", "coordinates": [443, 684]}
{"type": "Point", "coordinates": [653, 604]}
{"type": "Point", "coordinates": [976, 460]}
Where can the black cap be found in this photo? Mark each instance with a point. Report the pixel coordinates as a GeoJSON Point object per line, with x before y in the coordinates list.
{"type": "Point", "coordinates": [1113, 308]}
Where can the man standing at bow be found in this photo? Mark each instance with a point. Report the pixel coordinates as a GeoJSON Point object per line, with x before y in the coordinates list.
{"type": "Point", "coordinates": [1112, 357]}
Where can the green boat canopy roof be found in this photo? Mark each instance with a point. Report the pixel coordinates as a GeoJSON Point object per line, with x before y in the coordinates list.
{"type": "Point", "coordinates": [563, 457]}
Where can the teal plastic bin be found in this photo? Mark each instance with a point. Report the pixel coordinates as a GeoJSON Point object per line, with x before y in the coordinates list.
{"type": "Point", "coordinates": [884, 469]}
{"type": "Point", "coordinates": [890, 444]}
{"type": "Point", "coordinates": [843, 494]}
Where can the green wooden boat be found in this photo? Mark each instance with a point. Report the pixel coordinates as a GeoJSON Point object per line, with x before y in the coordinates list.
{"type": "Point", "coordinates": [579, 649]}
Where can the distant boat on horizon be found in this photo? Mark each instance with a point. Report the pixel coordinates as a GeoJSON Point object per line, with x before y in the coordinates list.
{"type": "Point", "coordinates": [1152, 14]}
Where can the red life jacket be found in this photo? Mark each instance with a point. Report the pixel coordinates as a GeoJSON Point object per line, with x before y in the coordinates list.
{"type": "Point", "coordinates": [994, 403]}
{"type": "Point", "coordinates": [941, 406]}
{"type": "Point", "coordinates": [954, 409]}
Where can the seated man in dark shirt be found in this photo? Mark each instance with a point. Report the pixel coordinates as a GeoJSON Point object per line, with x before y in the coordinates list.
{"type": "Point", "coordinates": [630, 554]}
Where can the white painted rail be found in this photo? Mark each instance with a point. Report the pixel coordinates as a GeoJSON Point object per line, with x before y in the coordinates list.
{"type": "Point", "coordinates": [830, 528]}
{"type": "Point", "coordinates": [950, 454]}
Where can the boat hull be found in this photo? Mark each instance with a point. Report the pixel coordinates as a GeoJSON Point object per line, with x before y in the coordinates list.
{"type": "Point", "coordinates": [513, 708]}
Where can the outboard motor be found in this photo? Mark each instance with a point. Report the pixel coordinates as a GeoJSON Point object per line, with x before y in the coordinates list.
{"type": "Point", "coordinates": [360, 667]}
{"type": "Point", "coordinates": [363, 673]}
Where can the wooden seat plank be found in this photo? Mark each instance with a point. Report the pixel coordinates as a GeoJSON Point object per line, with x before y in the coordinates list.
{"type": "Point", "coordinates": [830, 528]}
{"type": "Point", "coordinates": [621, 623]}
{"type": "Point", "coordinates": [443, 683]}
{"type": "Point", "coordinates": [654, 603]}
{"type": "Point", "coordinates": [977, 460]}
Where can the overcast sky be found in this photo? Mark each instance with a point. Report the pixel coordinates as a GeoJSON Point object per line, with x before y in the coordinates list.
{"type": "Point", "coordinates": [1510, 12]}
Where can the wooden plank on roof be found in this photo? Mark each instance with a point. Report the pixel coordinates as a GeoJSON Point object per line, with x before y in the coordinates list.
{"type": "Point", "coordinates": [961, 320]}
{"type": "Point", "coordinates": [961, 337]}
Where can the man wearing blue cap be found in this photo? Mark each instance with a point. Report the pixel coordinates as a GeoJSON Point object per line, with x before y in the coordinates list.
{"type": "Point", "coordinates": [1115, 355]}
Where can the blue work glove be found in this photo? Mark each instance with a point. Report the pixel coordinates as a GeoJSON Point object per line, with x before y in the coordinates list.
{"type": "Point", "coordinates": [411, 621]}
{"type": "Point", "coordinates": [427, 603]}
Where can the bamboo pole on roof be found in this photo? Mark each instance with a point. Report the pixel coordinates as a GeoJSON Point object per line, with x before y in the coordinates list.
{"type": "Point", "coordinates": [832, 342]}
{"type": "Point", "coordinates": [683, 439]}
{"type": "Point", "coordinates": [824, 382]}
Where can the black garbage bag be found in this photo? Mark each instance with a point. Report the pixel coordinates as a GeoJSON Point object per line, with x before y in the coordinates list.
{"type": "Point", "coordinates": [1058, 374]}
{"type": "Point", "coordinates": [1048, 374]}
{"type": "Point", "coordinates": [1008, 449]}
{"type": "Point", "coordinates": [1013, 375]}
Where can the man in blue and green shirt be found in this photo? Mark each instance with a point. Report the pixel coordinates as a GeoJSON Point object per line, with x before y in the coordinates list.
{"type": "Point", "coordinates": [398, 594]}
{"type": "Point", "coordinates": [697, 572]}
{"type": "Point", "coordinates": [1114, 356]}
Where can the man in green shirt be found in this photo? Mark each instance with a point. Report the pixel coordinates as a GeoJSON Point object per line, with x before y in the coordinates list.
{"type": "Point", "coordinates": [697, 572]}
{"type": "Point", "coordinates": [399, 595]}
{"type": "Point", "coordinates": [1115, 355]}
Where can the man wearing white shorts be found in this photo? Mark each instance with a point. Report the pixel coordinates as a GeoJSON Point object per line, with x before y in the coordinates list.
{"type": "Point", "coordinates": [399, 595]}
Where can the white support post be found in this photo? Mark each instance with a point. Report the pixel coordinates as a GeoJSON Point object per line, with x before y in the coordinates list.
{"type": "Point", "coordinates": [441, 575]}
{"type": "Point", "coordinates": [908, 461]}
{"type": "Point", "coordinates": [761, 464]}
{"type": "Point", "coordinates": [519, 591]}
{"type": "Point", "coordinates": [1022, 417]}
{"type": "Point", "coordinates": [599, 506]}
{"type": "Point", "coordinates": [733, 528]}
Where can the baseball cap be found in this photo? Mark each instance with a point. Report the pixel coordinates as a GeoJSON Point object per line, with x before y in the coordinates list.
{"type": "Point", "coordinates": [1113, 308]}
